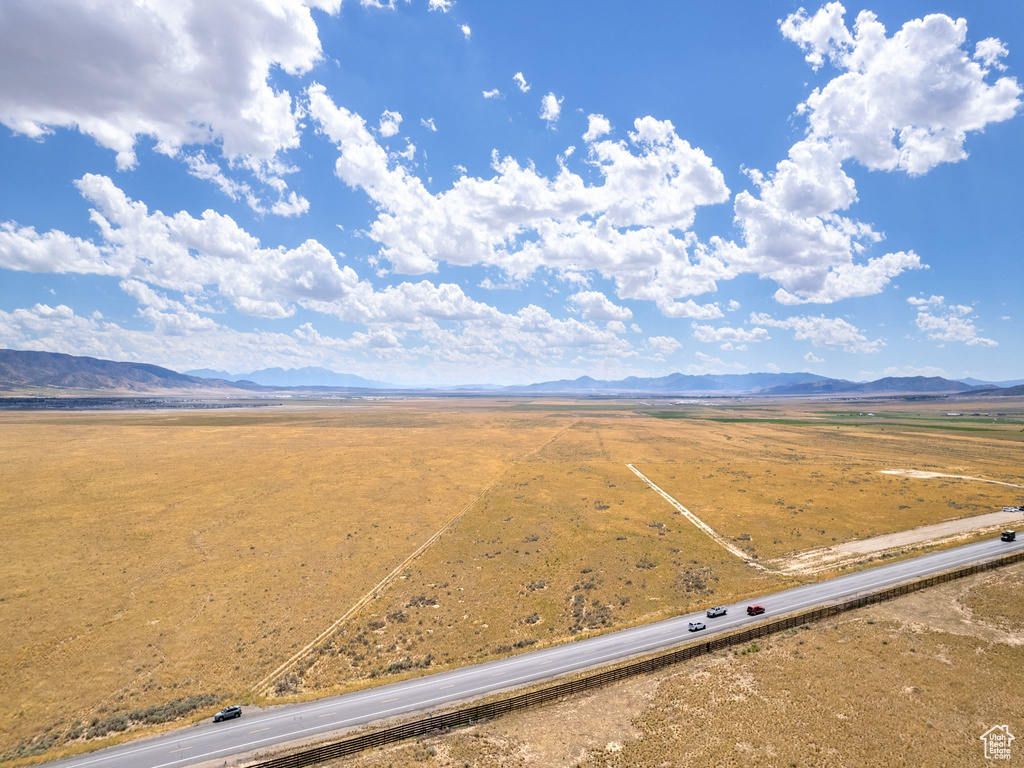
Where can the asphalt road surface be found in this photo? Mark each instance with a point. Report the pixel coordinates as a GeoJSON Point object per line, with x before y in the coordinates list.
{"type": "Point", "coordinates": [262, 728]}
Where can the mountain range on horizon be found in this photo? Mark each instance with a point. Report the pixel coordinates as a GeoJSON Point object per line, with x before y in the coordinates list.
{"type": "Point", "coordinates": [676, 382]}
{"type": "Point", "coordinates": [765, 383]}
{"type": "Point", "coordinates": [21, 370]}
{"type": "Point", "coordinates": [981, 382]}
{"type": "Point", "coordinates": [308, 376]}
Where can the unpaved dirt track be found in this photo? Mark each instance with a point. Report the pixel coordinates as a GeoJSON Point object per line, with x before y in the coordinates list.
{"type": "Point", "coordinates": [278, 725]}
{"type": "Point", "coordinates": [715, 535]}
{"type": "Point", "coordinates": [263, 686]}
{"type": "Point", "coordinates": [923, 475]}
{"type": "Point", "coordinates": [852, 552]}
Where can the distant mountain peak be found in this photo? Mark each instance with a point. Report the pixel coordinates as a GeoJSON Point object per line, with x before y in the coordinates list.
{"type": "Point", "coordinates": [885, 385]}
{"type": "Point", "coordinates": [28, 369]}
{"type": "Point", "coordinates": [673, 382]}
{"type": "Point", "coordinates": [307, 376]}
{"type": "Point", "coordinates": [38, 370]}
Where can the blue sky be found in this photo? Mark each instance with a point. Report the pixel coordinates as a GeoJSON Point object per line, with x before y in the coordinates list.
{"type": "Point", "coordinates": [368, 187]}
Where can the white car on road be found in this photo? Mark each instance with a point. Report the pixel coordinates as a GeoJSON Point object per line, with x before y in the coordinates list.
{"type": "Point", "coordinates": [697, 626]}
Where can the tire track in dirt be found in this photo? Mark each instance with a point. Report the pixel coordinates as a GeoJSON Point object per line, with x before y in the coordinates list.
{"type": "Point", "coordinates": [718, 538]}
{"type": "Point", "coordinates": [263, 686]}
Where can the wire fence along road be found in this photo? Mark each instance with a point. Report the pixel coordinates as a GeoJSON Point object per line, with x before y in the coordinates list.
{"type": "Point", "coordinates": [474, 714]}
{"type": "Point", "coordinates": [272, 730]}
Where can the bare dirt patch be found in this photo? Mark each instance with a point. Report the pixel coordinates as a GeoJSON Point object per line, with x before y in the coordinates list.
{"type": "Point", "coordinates": [855, 552]}
{"type": "Point", "coordinates": [922, 475]}
{"type": "Point", "coordinates": [777, 490]}
{"type": "Point", "coordinates": [986, 607]}
{"type": "Point", "coordinates": [149, 558]}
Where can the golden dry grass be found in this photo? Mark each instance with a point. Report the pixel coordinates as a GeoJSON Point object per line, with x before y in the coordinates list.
{"type": "Point", "coordinates": [912, 683]}
{"type": "Point", "coordinates": [793, 488]}
{"type": "Point", "coordinates": [155, 556]}
{"type": "Point", "coordinates": [567, 543]}
{"type": "Point", "coordinates": [556, 547]}
{"type": "Point", "coordinates": [150, 557]}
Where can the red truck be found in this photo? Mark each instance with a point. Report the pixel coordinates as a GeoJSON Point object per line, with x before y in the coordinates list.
{"type": "Point", "coordinates": [754, 610]}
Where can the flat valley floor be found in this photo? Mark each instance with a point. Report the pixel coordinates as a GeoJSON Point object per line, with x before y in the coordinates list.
{"type": "Point", "coordinates": [155, 565]}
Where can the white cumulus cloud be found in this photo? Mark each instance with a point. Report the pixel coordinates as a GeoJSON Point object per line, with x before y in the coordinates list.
{"type": "Point", "coordinates": [210, 260]}
{"type": "Point", "coordinates": [947, 322]}
{"type": "Point", "coordinates": [518, 220]}
{"type": "Point", "coordinates": [709, 334]}
{"type": "Point", "coordinates": [793, 235]}
{"type": "Point", "coordinates": [551, 108]}
{"type": "Point", "coordinates": [183, 73]}
{"type": "Point", "coordinates": [390, 123]}
{"type": "Point", "coordinates": [990, 51]}
{"type": "Point", "coordinates": [822, 331]}
{"type": "Point", "coordinates": [597, 126]}
{"type": "Point", "coordinates": [594, 305]}
{"type": "Point", "coordinates": [663, 346]}
{"type": "Point", "coordinates": [931, 301]}
{"type": "Point", "coordinates": [905, 102]}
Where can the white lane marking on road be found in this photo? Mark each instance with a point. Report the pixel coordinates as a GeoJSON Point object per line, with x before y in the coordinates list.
{"type": "Point", "coordinates": [813, 588]}
{"type": "Point", "coordinates": [568, 648]}
{"type": "Point", "coordinates": [625, 634]}
{"type": "Point", "coordinates": [631, 633]}
{"type": "Point", "coordinates": [418, 705]}
{"type": "Point", "coordinates": [264, 684]}
{"type": "Point", "coordinates": [721, 540]}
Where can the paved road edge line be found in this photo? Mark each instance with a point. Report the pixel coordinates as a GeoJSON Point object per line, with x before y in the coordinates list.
{"type": "Point", "coordinates": [486, 711]}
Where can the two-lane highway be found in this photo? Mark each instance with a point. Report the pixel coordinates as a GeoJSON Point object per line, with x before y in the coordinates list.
{"type": "Point", "coordinates": [260, 729]}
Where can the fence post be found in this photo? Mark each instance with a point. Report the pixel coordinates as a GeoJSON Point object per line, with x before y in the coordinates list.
{"type": "Point", "coordinates": [469, 715]}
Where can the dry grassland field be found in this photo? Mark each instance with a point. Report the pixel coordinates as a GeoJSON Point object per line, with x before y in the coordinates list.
{"type": "Point", "coordinates": [154, 565]}
{"type": "Point", "coordinates": [911, 683]}
{"type": "Point", "coordinates": [788, 493]}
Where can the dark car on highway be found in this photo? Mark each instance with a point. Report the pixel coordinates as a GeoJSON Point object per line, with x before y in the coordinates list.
{"type": "Point", "coordinates": [754, 610]}
{"type": "Point", "coordinates": [1009, 536]}
{"type": "Point", "coordinates": [227, 713]}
